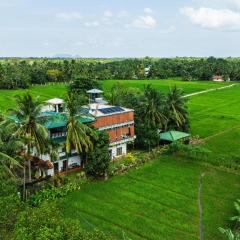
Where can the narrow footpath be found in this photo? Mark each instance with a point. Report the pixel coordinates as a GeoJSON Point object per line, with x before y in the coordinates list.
{"type": "Point", "coordinates": [209, 90]}
{"type": "Point", "coordinates": [200, 205]}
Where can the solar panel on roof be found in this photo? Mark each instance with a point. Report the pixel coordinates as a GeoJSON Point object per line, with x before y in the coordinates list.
{"type": "Point", "coordinates": [111, 110]}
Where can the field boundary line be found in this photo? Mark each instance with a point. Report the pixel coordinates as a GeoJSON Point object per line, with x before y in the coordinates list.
{"type": "Point", "coordinates": [218, 134]}
{"type": "Point", "coordinates": [209, 90]}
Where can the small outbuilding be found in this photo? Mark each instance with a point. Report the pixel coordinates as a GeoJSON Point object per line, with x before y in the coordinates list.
{"type": "Point", "coordinates": [173, 136]}
{"type": "Point", "coordinates": [218, 78]}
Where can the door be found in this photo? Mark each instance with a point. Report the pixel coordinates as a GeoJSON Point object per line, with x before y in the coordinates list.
{"type": "Point", "coordinates": [56, 167]}
{"type": "Point", "coordinates": [65, 165]}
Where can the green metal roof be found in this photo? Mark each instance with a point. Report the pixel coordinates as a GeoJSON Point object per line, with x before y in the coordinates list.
{"type": "Point", "coordinates": [52, 120]}
{"type": "Point", "coordinates": [173, 136]}
{"type": "Point", "coordinates": [60, 120]}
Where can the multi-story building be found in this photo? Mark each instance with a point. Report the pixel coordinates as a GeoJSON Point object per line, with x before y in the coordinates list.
{"type": "Point", "coordinates": [117, 121]}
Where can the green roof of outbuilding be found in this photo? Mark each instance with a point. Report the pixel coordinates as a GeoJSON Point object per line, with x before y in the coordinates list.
{"type": "Point", "coordinates": [173, 136]}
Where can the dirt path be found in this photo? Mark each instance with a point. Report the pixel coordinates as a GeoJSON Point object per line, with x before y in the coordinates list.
{"type": "Point", "coordinates": [218, 134]}
{"type": "Point", "coordinates": [200, 205]}
{"type": "Point", "coordinates": [209, 90]}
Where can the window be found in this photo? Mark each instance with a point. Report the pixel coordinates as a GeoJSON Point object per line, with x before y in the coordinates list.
{"type": "Point", "coordinates": [110, 153]}
{"type": "Point", "coordinates": [119, 151]}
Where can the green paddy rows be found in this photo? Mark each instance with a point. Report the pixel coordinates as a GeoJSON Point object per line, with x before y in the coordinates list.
{"type": "Point", "coordinates": [157, 201]}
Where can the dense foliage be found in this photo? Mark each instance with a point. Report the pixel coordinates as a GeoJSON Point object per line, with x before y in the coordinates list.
{"type": "Point", "coordinates": [10, 205]}
{"type": "Point", "coordinates": [153, 111]}
{"type": "Point", "coordinates": [98, 159]}
{"type": "Point", "coordinates": [35, 223]}
{"type": "Point", "coordinates": [22, 73]}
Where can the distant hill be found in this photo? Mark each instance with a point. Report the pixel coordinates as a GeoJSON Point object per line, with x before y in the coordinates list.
{"type": "Point", "coordinates": [65, 55]}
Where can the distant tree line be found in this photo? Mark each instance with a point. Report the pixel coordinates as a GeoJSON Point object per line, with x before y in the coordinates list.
{"type": "Point", "coordinates": [21, 73]}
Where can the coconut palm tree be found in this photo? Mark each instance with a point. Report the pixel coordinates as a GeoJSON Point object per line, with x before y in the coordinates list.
{"type": "Point", "coordinates": [237, 207]}
{"type": "Point", "coordinates": [30, 126]}
{"type": "Point", "coordinates": [229, 234]}
{"type": "Point", "coordinates": [176, 109]}
{"type": "Point", "coordinates": [233, 234]}
{"type": "Point", "coordinates": [8, 149]}
{"type": "Point", "coordinates": [153, 109]}
{"type": "Point", "coordinates": [78, 134]}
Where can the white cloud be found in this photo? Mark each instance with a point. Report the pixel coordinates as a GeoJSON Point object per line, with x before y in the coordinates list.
{"type": "Point", "coordinates": [223, 19]}
{"type": "Point", "coordinates": [92, 24]}
{"type": "Point", "coordinates": [148, 10]}
{"type": "Point", "coordinates": [69, 16]}
{"type": "Point", "coordinates": [144, 22]}
{"type": "Point", "coordinates": [108, 14]}
{"type": "Point", "coordinates": [233, 4]}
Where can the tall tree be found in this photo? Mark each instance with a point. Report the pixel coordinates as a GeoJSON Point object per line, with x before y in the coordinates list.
{"type": "Point", "coordinates": [78, 134]}
{"type": "Point", "coordinates": [99, 159]}
{"type": "Point", "coordinates": [30, 126]}
{"type": "Point", "coordinates": [9, 148]}
{"type": "Point", "coordinates": [176, 110]}
{"type": "Point", "coordinates": [153, 110]}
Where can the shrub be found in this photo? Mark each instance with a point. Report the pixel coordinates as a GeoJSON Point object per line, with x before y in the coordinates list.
{"type": "Point", "coordinates": [52, 192]}
{"type": "Point", "coordinates": [194, 152]}
{"type": "Point", "coordinates": [46, 223]}
{"type": "Point", "coordinates": [129, 159]}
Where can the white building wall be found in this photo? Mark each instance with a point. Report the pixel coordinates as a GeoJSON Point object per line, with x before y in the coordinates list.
{"type": "Point", "coordinates": [50, 172]}
{"type": "Point", "coordinates": [74, 160]}
{"type": "Point", "coordinates": [114, 150]}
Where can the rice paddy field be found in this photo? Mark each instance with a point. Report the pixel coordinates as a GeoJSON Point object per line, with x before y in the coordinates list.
{"type": "Point", "coordinates": [160, 199]}
{"type": "Point", "coordinates": [157, 201]}
{"type": "Point", "coordinates": [45, 92]}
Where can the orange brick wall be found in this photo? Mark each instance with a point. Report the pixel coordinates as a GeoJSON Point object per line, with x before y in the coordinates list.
{"type": "Point", "coordinates": [116, 134]}
{"type": "Point", "coordinates": [114, 119]}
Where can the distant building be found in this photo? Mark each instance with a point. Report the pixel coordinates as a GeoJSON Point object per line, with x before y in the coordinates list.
{"type": "Point", "coordinates": [147, 70]}
{"type": "Point", "coordinates": [218, 78]}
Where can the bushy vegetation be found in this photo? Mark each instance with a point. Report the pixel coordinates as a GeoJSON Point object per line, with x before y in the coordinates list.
{"type": "Point", "coordinates": [35, 223]}
{"type": "Point", "coordinates": [22, 73]}
{"type": "Point", "coordinates": [153, 111]}
{"type": "Point", "coordinates": [98, 159]}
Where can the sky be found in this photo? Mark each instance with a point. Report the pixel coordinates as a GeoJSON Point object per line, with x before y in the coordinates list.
{"type": "Point", "coordinates": [120, 28]}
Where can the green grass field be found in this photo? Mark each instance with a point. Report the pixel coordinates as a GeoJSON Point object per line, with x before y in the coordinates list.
{"type": "Point", "coordinates": [214, 112]}
{"type": "Point", "coordinates": [157, 201]}
{"type": "Point", "coordinates": [164, 85]}
{"type": "Point", "coordinates": [59, 90]}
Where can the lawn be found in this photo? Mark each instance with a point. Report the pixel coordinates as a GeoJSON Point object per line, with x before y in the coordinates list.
{"type": "Point", "coordinates": [59, 90]}
{"type": "Point", "coordinates": [164, 85]}
{"type": "Point", "coordinates": [44, 92]}
{"type": "Point", "coordinates": [157, 201]}
{"type": "Point", "coordinates": [214, 112]}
